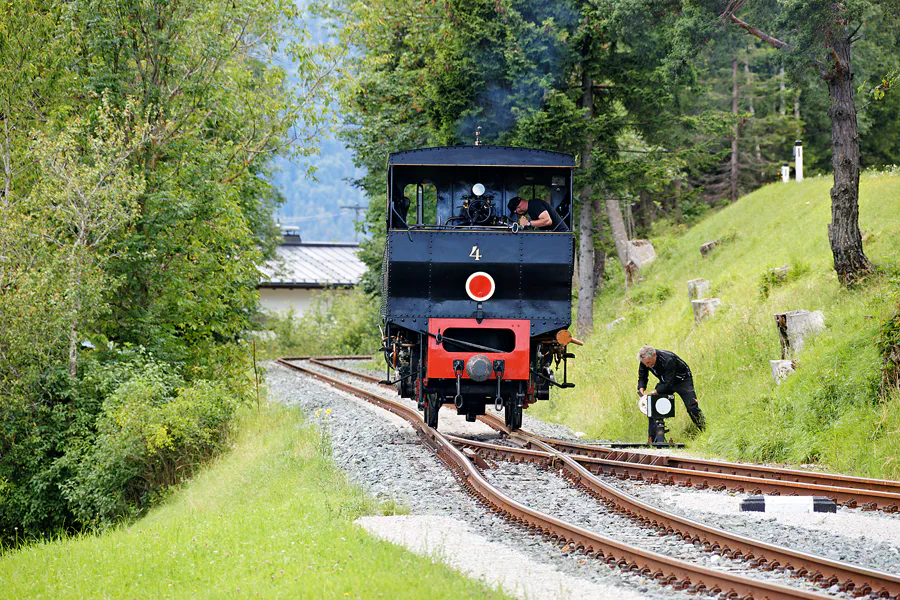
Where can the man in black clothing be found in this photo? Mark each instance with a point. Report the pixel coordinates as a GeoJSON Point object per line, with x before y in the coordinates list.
{"type": "Point", "coordinates": [674, 378]}
{"type": "Point", "coordinates": [536, 213]}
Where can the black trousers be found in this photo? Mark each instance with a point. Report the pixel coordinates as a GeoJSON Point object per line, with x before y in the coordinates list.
{"type": "Point", "coordinates": [685, 391]}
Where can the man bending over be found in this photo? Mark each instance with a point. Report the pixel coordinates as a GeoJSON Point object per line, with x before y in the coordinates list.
{"type": "Point", "coordinates": [674, 378]}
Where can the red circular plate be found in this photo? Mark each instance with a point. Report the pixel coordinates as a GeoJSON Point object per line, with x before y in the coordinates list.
{"type": "Point", "coordinates": [480, 286]}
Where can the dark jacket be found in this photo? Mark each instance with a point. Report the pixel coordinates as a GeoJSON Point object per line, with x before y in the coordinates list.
{"type": "Point", "coordinates": [671, 371]}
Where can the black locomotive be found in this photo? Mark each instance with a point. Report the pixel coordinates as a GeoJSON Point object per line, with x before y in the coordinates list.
{"type": "Point", "coordinates": [475, 308]}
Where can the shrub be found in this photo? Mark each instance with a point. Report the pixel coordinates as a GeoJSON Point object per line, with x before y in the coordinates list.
{"type": "Point", "coordinates": [772, 278]}
{"type": "Point", "coordinates": [338, 322]}
{"type": "Point", "coordinates": [889, 346]}
{"type": "Point", "coordinates": [151, 432]}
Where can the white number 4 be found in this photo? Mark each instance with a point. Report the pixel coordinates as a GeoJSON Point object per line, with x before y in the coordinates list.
{"type": "Point", "coordinates": [475, 253]}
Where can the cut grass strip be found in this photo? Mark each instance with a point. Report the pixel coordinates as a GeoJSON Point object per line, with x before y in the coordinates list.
{"type": "Point", "coordinates": [273, 519]}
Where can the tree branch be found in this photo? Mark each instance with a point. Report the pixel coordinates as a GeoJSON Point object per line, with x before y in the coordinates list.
{"type": "Point", "coordinates": [774, 42]}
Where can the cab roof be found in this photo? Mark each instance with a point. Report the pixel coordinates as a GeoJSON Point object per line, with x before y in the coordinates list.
{"type": "Point", "coordinates": [482, 156]}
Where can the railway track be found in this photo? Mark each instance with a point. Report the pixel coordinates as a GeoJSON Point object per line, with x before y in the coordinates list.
{"type": "Point", "coordinates": [463, 457]}
{"type": "Point", "coordinates": [852, 492]}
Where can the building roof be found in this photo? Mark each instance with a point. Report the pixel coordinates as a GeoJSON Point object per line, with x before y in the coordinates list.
{"type": "Point", "coordinates": [313, 265]}
{"type": "Point", "coordinates": [499, 156]}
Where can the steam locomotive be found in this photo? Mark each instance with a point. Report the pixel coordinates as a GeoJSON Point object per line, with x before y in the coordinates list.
{"type": "Point", "coordinates": [475, 308]}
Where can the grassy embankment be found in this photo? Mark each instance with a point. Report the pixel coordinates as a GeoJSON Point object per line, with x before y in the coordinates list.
{"type": "Point", "coordinates": [273, 518]}
{"type": "Point", "coordinates": [827, 412]}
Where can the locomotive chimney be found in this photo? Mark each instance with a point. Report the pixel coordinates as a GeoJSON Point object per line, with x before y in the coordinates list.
{"type": "Point", "coordinates": [478, 135]}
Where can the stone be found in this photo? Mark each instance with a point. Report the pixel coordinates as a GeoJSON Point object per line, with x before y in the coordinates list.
{"type": "Point", "coordinates": [794, 327]}
{"type": "Point", "coordinates": [698, 289]}
{"type": "Point", "coordinates": [614, 324]}
{"type": "Point", "coordinates": [782, 368]}
{"type": "Point", "coordinates": [708, 247]}
{"type": "Point", "coordinates": [641, 252]}
{"type": "Point", "coordinates": [705, 308]}
{"type": "Point", "coordinates": [780, 273]}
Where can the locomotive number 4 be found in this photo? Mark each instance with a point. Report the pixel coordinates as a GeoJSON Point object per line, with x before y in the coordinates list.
{"type": "Point", "coordinates": [475, 253]}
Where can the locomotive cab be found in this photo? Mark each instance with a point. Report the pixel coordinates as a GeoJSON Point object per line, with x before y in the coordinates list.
{"type": "Point", "coordinates": [475, 308]}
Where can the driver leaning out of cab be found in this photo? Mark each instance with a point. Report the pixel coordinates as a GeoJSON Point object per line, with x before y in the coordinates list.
{"type": "Point", "coordinates": [536, 213]}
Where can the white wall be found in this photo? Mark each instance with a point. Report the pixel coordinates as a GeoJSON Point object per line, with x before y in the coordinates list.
{"type": "Point", "coordinates": [281, 299]}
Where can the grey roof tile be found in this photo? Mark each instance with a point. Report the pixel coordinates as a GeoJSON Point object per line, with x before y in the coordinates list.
{"type": "Point", "coordinates": [313, 264]}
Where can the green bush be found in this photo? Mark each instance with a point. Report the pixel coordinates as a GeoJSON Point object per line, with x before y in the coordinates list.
{"type": "Point", "coordinates": [889, 345]}
{"type": "Point", "coordinates": [778, 276]}
{"type": "Point", "coordinates": [152, 431]}
{"type": "Point", "coordinates": [87, 453]}
{"type": "Point", "coordinates": [338, 322]}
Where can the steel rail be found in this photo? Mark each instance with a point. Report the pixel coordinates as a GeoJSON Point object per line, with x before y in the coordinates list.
{"type": "Point", "coordinates": [666, 570]}
{"type": "Point", "coordinates": [746, 470]}
{"type": "Point", "coordinates": [871, 494]}
{"type": "Point", "coordinates": [820, 570]}
{"type": "Point", "coordinates": [849, 491]}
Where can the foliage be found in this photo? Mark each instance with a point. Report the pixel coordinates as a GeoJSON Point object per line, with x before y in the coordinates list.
{"type": "Point", "coordinates": [109, 445]}
{"type": "Point", "coordinates": [339, 322]}
{"type": "Point", "coordinates": [774, 277]}
{"type": "Point", "coordinates": [889, 346]}
{"type": "Point", "coordinates": [135, 208]}
{"type": "Point", "coordinates": [273, 517]}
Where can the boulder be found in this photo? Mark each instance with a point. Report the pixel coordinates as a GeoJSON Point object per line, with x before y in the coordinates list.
{"type": "Point", "coordinates": [698, 289]}
{"type": "Point", "coordinates": [705, 308]}
{"type": "Point", "coordinates": [794, 327]}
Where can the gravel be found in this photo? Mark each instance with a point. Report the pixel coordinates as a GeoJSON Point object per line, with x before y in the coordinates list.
{"type": "Point", "coordinates": [849, 535]}
{"type": "Point", "coordinates": [382, 453]}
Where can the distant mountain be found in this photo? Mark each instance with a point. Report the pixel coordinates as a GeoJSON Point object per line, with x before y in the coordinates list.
{"type": "Point", "coordinates": [315, 205]}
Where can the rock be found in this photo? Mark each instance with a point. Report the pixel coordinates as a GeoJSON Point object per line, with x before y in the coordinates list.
{"type": "Point", "coordinates": [780, 274]}
{"type": "Point", "coordinates": [641, 252]}
{"type": "Point", "coordinates": [782, 368]}
{"type": "Point", "coordinates": [614, 324]}
{"type": "Point", "coordinates": [708, 247]}
{"type": "Point", "coordinates": [698, 289]}
{"type": "Point", "coordinates": [703, 309]}
{"type": "Point", "coordinates": [794, 327]}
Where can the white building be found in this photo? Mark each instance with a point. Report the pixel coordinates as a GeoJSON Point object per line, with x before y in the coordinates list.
{"type": "Point", "coordinates": [302, 268]}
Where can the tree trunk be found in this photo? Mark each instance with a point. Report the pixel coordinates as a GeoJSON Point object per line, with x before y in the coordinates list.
{"type": "Point", "coordinates": [734, 134]}
{"type": "Point", "coordinates": [781, 108]}
{"type": "Point", "coordinates": [617, 226]}
{"type": "Point", "coordinates": [584, 319]}
{"type": "Point", "coordinates": [648, 210]}
{"type": "Point", "coordinates": [752, 110]}
{"type": "Point", "coordinates": [599, 253]}
{"type": "Point", "coordinates": [7, 161]}
{"type": "Point", "coordinates": [850, 261]}
{"type": "Point", "coordinates": [797, 106]}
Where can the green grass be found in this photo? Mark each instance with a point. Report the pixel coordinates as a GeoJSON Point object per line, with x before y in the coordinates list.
{"type": "Point", "coordinates": [273, 519]}
{"type": "Point", "coordinates": [829, 411]}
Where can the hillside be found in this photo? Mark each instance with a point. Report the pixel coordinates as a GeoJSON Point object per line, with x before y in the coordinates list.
{"type": "Point", "coordinates": [829, 411]}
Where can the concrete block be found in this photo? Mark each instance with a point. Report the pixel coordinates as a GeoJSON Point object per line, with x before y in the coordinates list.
{"type": "Point", "coordinates": [641, 252]}
{"type": "Point", "coordinates": [612, 325]}
{"type": "Point", "coordinates": [708, 247]}
{"type": "Point", "coordinates": [698, 289]}
{"type": "Point", "coordinates": [705, 308]}
{"type": "Point", "coordinates": [794, 327]}
{"type": "Point", "coordinates": [782, 368]}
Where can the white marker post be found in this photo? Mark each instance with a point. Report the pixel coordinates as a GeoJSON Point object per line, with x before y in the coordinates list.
{"type": "Point", "coordinates": [798, 159]}
{"type": "Point", "coordinates": [785, 173]}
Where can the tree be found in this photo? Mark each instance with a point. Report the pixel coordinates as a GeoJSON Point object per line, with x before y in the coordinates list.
{"type": "Point", "coordinates": [84, 196]}
{"type": "Point", "coordinates": [825, 31]}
